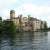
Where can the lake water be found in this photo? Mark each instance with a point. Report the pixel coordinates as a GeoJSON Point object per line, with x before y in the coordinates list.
{"type": "Point", "coordinates": [27, 41]}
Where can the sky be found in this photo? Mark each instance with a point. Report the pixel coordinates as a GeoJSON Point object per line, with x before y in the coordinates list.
{"type": "Point", "coordinates": [36, 8]}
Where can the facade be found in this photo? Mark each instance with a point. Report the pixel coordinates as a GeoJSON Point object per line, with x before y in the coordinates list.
{"type": "Point", "coordinates": [14, 19]}
{"type": "Point", "coordinates": [43, 25]}
{"type": "Point", "coordinates": [37, 25]}
{"type": "Point", "coordinates": [27, 24]}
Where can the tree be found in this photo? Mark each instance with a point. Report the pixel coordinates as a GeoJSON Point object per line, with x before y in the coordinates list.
{"type": "Point", "coordinates": [0, 30]}
{"type": "Point", "coordinates": [0, 18]}
{"type": "Point", "coordinates": [45, 26]}
{"type": "Point", "coordinates": [41, 26]}
{"type": "Point", "coordinates": [9, 29]}
{"type": "Point", "coordinates": [0, 26]}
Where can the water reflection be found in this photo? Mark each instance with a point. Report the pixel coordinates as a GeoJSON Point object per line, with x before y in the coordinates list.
{"type": "Point", "coordinates": [26, 41]}
{"type": "Point", "coordinates": [40, 41]}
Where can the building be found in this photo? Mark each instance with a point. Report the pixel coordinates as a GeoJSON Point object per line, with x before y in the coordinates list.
{"type": "Point", "coordinates": [43, 24]}
{"type": "Point", "coordinates": [14, 19]}
{"type": "Point", "coordinates": [26, 23]}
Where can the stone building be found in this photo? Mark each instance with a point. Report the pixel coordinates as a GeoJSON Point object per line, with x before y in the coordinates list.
{"type": "Point", "coordinates": [35, 23]}
{"type": "Point", "coordinates": [43, 24]}
{"type": "Point", "coordinates": [26, 23]}
{"type": "Point", "coordinates": [13, 18]}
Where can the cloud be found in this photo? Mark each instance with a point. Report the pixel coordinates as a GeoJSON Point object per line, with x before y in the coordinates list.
{"type": "Point", "coordinates": [40, 12]}
{"type": "Point", "coordinates": [33, 10]}
{"type": "Point", "coordinates": [6, 3]}
{"type": "Point", "coordinates": [29, 9]}
{"type": "Point", "coordinates": [5, 6]}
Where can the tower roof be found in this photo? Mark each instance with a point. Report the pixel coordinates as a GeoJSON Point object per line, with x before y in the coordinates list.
{"type": "Point", "coordinates": [12, 11]}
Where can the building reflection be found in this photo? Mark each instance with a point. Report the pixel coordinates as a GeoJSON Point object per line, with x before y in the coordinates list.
{"type": "Point", "coordinates": [40, 41]}
{"type": "Point", "coordinates": [26, 41]}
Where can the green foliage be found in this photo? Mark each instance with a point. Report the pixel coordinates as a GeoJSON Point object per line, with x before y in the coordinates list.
{"type": "Point", "coordinates": [0, 27]}
{"type": "Point", "coordinates": [45, 26]}
{"type": "Point", "coordinates": [9, 28]}
{"type": "Point", "coordinates": [1, 18]}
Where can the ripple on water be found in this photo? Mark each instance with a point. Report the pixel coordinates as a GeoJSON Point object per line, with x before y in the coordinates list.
{"type": "Point", "coordinates": [27, 41]}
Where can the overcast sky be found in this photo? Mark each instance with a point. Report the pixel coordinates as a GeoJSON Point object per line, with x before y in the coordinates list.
{"type": "Point", "coordinates": [37, 8]}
